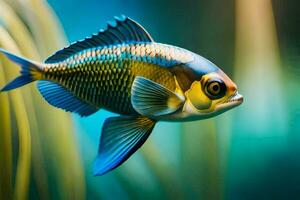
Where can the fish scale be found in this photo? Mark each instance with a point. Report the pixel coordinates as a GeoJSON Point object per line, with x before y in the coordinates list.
{"type": "Point", "coordinates": [101, 76]}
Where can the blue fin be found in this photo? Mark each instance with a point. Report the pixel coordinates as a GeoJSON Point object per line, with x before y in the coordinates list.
{"type": "Point", "coordinates": [122, 30]}
{"type": "Point", "coordinates": [30, 71]}
{"type": "Point", "coordinates": [152, 99]}
{"type": "Point", "coordinates": [60, 97]}
{"type": "Point", "coordinates": [121, 137]}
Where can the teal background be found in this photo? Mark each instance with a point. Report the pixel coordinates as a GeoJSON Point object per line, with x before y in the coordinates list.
{"type": "Point", "coordinates": [254, 152]}
{"type": "Point", "coordinates": [250, 152]}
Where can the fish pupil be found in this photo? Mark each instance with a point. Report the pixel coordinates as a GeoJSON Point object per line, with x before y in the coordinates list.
{"type": "Point", "coordinates": [216, 88]}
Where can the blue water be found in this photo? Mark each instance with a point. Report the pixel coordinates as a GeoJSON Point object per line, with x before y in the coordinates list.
{"type": "Point", "coordinates": [258, 143]}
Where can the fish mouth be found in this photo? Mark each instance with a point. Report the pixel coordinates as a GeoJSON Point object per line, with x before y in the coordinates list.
{"type": "Point", "coordinates": [233, 101]}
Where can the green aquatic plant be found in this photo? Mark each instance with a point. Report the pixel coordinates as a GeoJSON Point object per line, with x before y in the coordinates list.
{"type": "Point", "coordinates": [21, 117]}
{"type": "Point", "coordinates": [37, 127]}
{"type": "Point", "coordinates": [5, 146]}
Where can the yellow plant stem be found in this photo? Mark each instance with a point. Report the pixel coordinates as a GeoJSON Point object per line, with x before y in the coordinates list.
{"type": "Point", "coordinates": [6, 189]}
{"type": "Point", "coordinates": [56, 125]}
{"type": "Point", "coordinates": [23, 167]}
{"type": "Point", "coordinates": [24, 155]}
{"type": "Point", "coordinates": [43, 23]}
{"type": "Point", "coordinates": [18, 31]}
{"type": "Point", "coordinates": [15, 26]}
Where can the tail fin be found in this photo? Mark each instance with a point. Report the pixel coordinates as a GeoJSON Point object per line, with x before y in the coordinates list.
{"type": "Point", "coordinates": [30, 71]}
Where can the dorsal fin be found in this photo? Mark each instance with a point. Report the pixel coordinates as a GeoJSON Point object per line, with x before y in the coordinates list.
{"type": "Point", "coordinates": [122, 30]}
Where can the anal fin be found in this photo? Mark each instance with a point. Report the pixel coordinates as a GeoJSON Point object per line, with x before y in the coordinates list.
{"type": "Point", "coordinates": [120, 138]}
{"type": "Point", "coordinates": [60, 97]}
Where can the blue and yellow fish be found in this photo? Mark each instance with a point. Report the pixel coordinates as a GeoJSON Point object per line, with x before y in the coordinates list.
{"type": "Point", "coordinates": [122, 69]}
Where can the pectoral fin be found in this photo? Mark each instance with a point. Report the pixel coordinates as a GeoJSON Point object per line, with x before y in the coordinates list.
{"type": "Point", "coordinates": [152, 99]}
{"type": "Point", "coordinates": [121, 137]}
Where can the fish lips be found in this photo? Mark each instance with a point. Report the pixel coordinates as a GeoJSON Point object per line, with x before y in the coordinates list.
{"type": "Point", "coordinates": [235, 100]}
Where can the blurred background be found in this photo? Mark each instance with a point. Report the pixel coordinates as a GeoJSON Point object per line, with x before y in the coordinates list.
{"type": "Point", "coordinates": [251, 152]}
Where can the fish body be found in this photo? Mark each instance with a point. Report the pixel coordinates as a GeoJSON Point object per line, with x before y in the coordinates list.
{"type": "Point", "coordinates": [103, 76]}
{"type": "Point", "coordinates": [123, 70]}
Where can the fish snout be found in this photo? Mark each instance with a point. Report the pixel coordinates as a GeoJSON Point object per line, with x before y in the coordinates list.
{"type": "Point", "coordinates": [232, 87]}
{"type": "Point", "coordinates": [233, 90]}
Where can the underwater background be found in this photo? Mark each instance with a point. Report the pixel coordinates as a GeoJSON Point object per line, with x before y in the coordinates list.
{"type": "Point", "coordinates": [251, 152]}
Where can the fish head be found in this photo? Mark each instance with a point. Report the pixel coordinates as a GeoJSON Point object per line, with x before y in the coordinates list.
{"type": "Point", "coordinates": [212, 94]}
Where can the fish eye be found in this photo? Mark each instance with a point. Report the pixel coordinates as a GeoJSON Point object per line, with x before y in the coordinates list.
{"type": "Point", "coordinates": [215, 88]}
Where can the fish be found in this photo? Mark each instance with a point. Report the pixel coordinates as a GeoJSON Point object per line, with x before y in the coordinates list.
{"type": "Point", "coordinates": [123, 70]}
